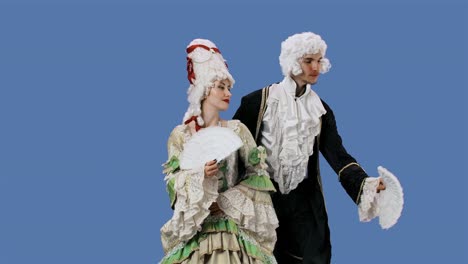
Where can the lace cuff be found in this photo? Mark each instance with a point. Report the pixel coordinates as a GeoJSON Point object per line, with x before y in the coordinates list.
{"type": "Point", "coordinates": [369, 206]}
{"type": "Point", "coordinates": [251, 210]}
{"type": "Point", "coordinates": [195, 194]}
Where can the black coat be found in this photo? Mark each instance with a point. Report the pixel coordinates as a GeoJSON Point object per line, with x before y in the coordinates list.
{"type": "Point", "coordinates": [303, 222]}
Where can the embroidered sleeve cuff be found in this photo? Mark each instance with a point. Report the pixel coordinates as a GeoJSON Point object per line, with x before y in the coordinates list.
{"type": "Point", "coordinates": [352, 178]}
{"type": "Point", "coordinates": [345, 167]}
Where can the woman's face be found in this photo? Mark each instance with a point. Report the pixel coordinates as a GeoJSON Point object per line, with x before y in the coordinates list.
{"type": "Point", "coordinates": [220, 95]}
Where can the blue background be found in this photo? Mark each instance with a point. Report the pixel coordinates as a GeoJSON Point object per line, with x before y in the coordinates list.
{"type": "Point", "coordinates": [90, 90]}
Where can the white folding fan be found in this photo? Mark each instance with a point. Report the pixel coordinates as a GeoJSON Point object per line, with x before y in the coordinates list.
{"type": "Point", "coordinates": [391, 199]}
{"type": "Point", "coordinates": [208, 144]}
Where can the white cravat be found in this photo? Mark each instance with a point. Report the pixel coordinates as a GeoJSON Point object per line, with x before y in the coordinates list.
{"type": "Point", "coordinates": [290, 126]}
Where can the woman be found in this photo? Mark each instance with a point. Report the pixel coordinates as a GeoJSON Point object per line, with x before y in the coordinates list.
{"type": "Point", "coordinates": [219, 217]}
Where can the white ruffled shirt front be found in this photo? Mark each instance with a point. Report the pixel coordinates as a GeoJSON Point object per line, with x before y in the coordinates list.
{"type": "Point", "coordinates": [290, 126]}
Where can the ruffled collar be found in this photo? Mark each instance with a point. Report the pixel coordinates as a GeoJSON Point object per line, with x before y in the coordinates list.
{"type": "Point", "coordinates": [290, 127]}
{"type": "Point", "coordinates": [289, 86]}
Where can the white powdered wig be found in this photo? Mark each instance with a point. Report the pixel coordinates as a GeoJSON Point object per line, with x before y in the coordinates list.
{"type": "Point", "coordinates": [208, 66]}
{"type": "Point", "coordinates": [298, 45]}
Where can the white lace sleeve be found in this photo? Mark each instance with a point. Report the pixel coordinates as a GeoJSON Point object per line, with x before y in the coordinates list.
{"type": "Point", "coordinates": [194, 195]}
{"type": "Point", "coordinates": [251, 210]}
{"type": "Point", "coordinates": [368, 207]}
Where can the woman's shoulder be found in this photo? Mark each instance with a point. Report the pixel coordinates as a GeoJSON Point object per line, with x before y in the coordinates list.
{"type": "Point", "coordinates": [237, 126]}
{"type": "Point", "coordinates": [178, 131]}
{"type": "Point", "coordinates": [233, 123]}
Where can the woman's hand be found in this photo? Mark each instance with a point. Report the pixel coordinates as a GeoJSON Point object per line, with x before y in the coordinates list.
{"type": "Point", "coordinates": [211, 168]}
{"type": "Point", "coordinates": [381, 186]}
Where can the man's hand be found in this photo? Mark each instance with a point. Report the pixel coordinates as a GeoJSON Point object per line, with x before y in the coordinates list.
{"type": "Point", "coordinates": [381, 186]}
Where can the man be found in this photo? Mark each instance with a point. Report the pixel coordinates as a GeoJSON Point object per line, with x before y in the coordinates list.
{"type": "Point", "coordinates": [294, 124]}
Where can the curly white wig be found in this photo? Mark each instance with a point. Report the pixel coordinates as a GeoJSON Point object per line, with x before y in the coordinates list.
{"type": "Point", "coordinates": [298, 45]}
{"type": "Point", "coordinates": [205, 66]}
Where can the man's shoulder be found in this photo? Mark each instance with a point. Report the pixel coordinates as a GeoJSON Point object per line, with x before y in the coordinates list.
{"type": "Point", "coordinates": [255, 95]}
{"type": "Point", "coordinates": [327, 107]}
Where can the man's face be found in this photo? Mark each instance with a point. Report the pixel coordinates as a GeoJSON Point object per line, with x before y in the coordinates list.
{"type": "Point", "coordinates": [310, 65]}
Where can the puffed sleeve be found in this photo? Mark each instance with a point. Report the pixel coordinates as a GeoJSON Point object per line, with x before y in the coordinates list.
{"type": "Point", "coordinates": [249, 203]}
{"type": "Point", "coordinates": [191, 195]}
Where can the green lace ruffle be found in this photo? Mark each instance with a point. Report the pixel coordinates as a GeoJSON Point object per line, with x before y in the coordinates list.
{"type": "Point", "coordinates": [171, 166]}
{"type": "Point", "coordinates": [171, 191]}
{"type": "Point", "coordinates": [257, 155]}
{"type": "Point", "coordinates": [259, 182]}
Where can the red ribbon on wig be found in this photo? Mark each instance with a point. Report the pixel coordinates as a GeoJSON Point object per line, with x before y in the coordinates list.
{"type": "Point", "coordinates": [190, 73]}
{"type": "Point", "coordinates": [193, 118]}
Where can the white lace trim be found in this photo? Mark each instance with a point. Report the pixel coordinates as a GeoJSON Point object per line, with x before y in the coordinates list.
{"type": "Point", "coordinates": [268, 257]}
{"type": "Point", "coordinates": [251, 210]}
{"type": "Point", "coordinates": [195, 194]}
{"type": "Point", "coordinates": [173, 251]}
{"type": "Point", "coordinates": [368, 207]}
{"type": "Point", "coordinates": [290, 126]}
{"type": "Point", "coordinates": [235, 201]}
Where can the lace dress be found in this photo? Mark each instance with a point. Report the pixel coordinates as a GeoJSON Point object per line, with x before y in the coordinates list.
{"type": "Point", "coordinates": [244, 232]}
